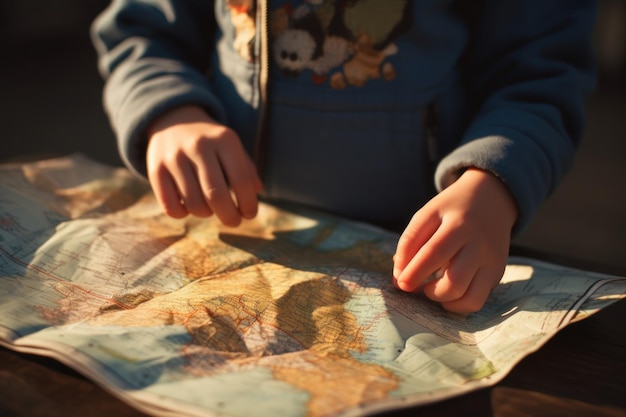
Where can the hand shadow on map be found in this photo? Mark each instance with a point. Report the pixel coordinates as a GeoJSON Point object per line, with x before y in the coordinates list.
{"type": "Point", "coordinates": [364, 269]}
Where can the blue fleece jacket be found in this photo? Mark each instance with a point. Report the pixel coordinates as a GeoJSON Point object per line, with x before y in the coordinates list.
{"type": "Point", "coordinates": [362, 108]}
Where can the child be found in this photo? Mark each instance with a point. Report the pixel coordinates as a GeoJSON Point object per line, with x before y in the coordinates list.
{"type": "Point", "coordinates": [353, 107]}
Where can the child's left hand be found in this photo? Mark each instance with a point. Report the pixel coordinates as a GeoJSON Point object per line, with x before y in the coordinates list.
{"type": "Point", "coordinates": [465, 233]}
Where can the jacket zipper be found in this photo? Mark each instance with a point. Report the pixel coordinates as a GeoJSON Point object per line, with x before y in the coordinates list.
{"type": "Point", "coordinates": [261, 139]}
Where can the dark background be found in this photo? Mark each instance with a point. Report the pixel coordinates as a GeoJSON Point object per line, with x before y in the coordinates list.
{"type": "Point", "coordinates": [51, 104]}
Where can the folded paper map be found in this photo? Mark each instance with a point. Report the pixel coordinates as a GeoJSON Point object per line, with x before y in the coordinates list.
{"type": "Point", "coordinates": [291, 314]}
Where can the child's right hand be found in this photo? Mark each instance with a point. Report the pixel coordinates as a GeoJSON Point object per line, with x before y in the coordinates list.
{"type": "Point", "coordinates": [193, 163]}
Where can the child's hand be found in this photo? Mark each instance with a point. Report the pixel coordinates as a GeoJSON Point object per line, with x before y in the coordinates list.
{"type": "Point", "coordinates": [464, 233]}
{"type": "Point", "coordinates": [193, 163]}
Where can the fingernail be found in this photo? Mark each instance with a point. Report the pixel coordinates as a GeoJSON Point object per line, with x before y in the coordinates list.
{"type": "Point", "coordinates": [248, 216]}
{"type": "Point", "coordinates": [404, 286]}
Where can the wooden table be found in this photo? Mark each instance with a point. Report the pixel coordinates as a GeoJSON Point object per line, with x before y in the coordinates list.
{"type": "Point", "coordinates": [579, 372]}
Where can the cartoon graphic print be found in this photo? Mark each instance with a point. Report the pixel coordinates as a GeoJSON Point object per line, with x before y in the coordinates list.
{"type": "Point", "coordinates": [353, 36]}
{"type": "Point", "coordinates": [350, 38]}
{"type": "Point", "coordinates": [242, 16]}
{"type": "Point", "coordinates": [303, 40]}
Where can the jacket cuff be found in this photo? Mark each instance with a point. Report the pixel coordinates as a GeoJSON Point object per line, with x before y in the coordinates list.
{"type": "Point", "coordinates": [149, 98]}
{"type": "Point", "coordinates": [524, 150]}
{"type": "Point", "coordinates": [525, 179]}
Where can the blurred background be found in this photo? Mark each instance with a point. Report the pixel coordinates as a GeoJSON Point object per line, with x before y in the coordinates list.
{"type": "Point", "coordinates": [51, 105]}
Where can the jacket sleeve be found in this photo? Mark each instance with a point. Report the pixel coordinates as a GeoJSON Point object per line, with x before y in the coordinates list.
{"type": "Point", "coordinates": [153, 55]}
{"type": "Point", "coordinates": [530, 68]}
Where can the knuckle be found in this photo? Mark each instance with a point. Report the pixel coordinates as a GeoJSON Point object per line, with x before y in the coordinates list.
{"type": "Point", "coordinates": [156, 170]}
{"type": "Point", "coordinates": [224, 133]}
{"type": "Point", "coordinates": [456, 275]}
{"type": "Point", "coordinates": [174, 158]}
{"type": "Point", "coordinates": [456, 220]}
{"type": "Point", "coordinates": [406, 238]}
{"type": "Point", "coordinates": [454, 292]}
{"type": "Point", "coordinates": [201, 145]}
{"type": "Point", "coordinates": [445, 291]}
{"type": "Point", "coordinates": [467, 306]}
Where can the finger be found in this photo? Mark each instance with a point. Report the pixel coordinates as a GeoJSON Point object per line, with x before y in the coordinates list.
{"type": "Point", "coordinates": [166, 193]}
{"type": "Point", "coordinates": [258, 184]}
{"type": "Point", "coordinates": [216, 191]}
{"type": "Point", "coordinates": [477, 293]}
{"type": "Point", "coordinates": [421, 228]}
{"type": "Point", "coordinates": [186, 179]}
{"type": "Point", "coordinates": [241, 179]}
{"type": "Point", "coordinates": [436, 253]}
{"type": "Point", "coordinates": [456, 279]}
